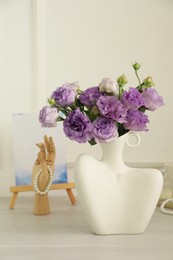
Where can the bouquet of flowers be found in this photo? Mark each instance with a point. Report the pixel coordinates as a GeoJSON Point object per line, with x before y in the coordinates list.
{"type": "Point", "coordinates": [104, 112]}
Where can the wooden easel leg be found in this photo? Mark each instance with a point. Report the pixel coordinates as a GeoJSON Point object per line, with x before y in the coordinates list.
{"type": "Point", "coordinates": [67, 186]}
{"type": "Point", "coordinates": [71, 196]}
{"type": "Point", "coordinates": [13, 200]}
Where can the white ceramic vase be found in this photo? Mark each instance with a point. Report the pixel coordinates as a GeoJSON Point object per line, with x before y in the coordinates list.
{"type": "Point", "coordinates": [116, 199]}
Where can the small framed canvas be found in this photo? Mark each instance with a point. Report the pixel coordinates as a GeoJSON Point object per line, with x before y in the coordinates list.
{"type": "Point", "coordinates": [28, 132]}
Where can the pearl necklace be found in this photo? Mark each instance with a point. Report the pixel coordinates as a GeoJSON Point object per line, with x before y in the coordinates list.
{"type": "Point", "coordinates": [163, 209]}
{"type": "Point", "coordinates": [36, 189]}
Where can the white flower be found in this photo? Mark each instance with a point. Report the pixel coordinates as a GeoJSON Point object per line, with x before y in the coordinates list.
{"type": "Point", "coordinates": [108, 85]}
{"type": "Point", "coordinates": [73, 86]}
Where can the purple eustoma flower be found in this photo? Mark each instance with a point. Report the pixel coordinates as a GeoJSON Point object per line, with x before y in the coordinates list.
{"type": "Point", "coordinates": [77, 126]}
{"type": "Point", "coordinates": [110, 106]}
{"type": "Point", "coordinates": [132, 99]}
{"type": "Point", "coordinates": [136, 120]}
{"type": "Point", "coordinates": [104, 130]}
{"type": "Point", "coordinates": [152, 100]}
{"type": "Point", "coordinates": [90, 96]}
{"type": "Point", "coordinates": [48, 116]}
{"type": "Point", "coordinates": [66, 94]}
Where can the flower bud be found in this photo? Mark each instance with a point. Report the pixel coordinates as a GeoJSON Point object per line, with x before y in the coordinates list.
{"type": "Point", "coordinates": [108, 85]}
{"type": "Point", "coordinates": [95, 110]}
{"type": "Point", "coordinates": [122, 80]}
{"type": "Point", "coordinates": [136, 66]}
{"type": "Point", "coordinates": [148, 82]}
{"type": "Point", "coordinates": [51, 101]}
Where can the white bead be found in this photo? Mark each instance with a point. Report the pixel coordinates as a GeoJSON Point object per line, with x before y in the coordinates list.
{"type": "Point", "coordinates": [36, 189]}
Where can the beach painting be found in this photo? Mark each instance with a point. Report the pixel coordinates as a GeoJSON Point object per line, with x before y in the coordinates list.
{"type": "Point", "coordinates": [27, 131]}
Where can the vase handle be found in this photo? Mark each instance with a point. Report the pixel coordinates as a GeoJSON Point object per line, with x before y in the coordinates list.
{"type": "Point", "coordinates": [137, 139]}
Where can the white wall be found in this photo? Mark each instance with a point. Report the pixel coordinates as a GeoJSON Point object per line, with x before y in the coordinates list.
{"type": "Point", "coordinates": [45, 43]}
{"type": "Point", "coordinates": [15, 78]}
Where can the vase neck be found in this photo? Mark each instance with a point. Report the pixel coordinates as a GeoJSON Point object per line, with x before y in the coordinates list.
{"type": "Point", "coordinates": [113, 154]}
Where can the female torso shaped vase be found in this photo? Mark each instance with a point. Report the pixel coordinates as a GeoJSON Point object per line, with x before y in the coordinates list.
{"type": "Point", "coordinates": [116, 199]}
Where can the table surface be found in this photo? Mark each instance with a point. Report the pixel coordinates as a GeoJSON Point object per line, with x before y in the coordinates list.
{"type": "Point", "coordinates": [65, 234]}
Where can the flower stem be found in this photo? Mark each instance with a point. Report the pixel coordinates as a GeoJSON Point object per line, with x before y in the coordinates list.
{"type": "Point", "coordinates": [137, 77]}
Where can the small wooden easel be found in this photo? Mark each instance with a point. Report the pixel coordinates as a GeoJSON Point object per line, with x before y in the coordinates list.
{"type": "Point", "coordinates": [60, 186]}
